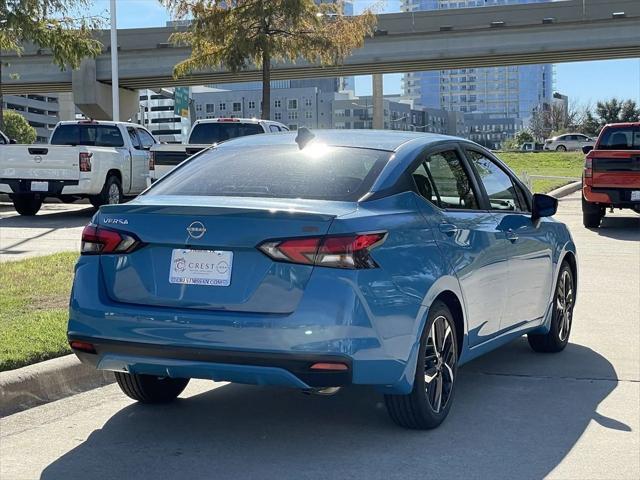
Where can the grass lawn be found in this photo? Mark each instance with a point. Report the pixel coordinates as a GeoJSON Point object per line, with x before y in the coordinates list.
{"type": "Point", "coordinates": [34, 295]}
{"type": "Point", "coordinates": [563, 164]}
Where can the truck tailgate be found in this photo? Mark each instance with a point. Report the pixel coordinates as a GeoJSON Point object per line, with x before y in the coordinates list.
{"type": "Point", "coordinates": [616, 169]}
{"type": "Point", "coordinates": [39, 162]}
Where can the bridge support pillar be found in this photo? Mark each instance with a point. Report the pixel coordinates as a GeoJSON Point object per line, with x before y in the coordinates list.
{"type": "Point", "coordinates": [93, 98]}
{"type": "Point", "coordinates": [377, 91]}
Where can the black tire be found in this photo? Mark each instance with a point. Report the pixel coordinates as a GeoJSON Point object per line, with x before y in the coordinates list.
{"type": "Point", "coordinates": [27, 205]}
{"type": "Point", "coordinates": [68, 198]}
{"type": "Point", "coordinates": [417, 410]}
{"type": "Point", "coordinates": [561, 148]}
{"type": "Point", "coordinates": [149, 388]}
{"type": "Point", "coordinates": [111, 193]}
{"type": "Point", "coordinates": [591, 214]}
{"type": "Point", "coordinates": [562, 317]}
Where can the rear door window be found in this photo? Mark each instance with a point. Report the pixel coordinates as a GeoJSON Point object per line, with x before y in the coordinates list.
{"type": "Point", "coordinates": [277, 171]}
{"type": "Point", "coordinates": [620, 138]}
{"type": "Point", "coordinates": [135, 142]}
{"type": "Point", "coordinates": [89, 135]}
{"type": "Point", "coordinates": [443, 180]}
{"type": "Point", "coordinates": [208, 133]}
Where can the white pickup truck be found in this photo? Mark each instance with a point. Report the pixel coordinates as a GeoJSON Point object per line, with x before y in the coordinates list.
{"type": "Point", "coordinates": [101, 161]}
{"type": "Point", "coordinates": [205, 133]}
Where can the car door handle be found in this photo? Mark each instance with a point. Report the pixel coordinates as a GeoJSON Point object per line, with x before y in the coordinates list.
{"type": "Point", "coordinates": [448, 228]}
{"type": "Point", "coordinates": [512, 236]}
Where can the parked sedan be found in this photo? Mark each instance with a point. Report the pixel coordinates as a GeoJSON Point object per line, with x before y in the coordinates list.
{"type": "Point", "coordinates": [569, 142]}
{"type": "Point", "coordinates": [323, 260]}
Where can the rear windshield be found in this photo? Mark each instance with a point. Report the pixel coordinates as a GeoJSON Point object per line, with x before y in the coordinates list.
{"type": "Point", "coordinates": [208, 133]}
{"type": "Point", "coordinates": [277, 171]}
{"type": "Point", "coordinates": [92, 135]}
{"type": "Point", "coordinates": [620, 138]}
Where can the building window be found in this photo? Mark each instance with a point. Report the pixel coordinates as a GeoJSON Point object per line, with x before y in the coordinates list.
{"type": "Point", "coordinates": [277, 104]}
{"type": "Point", "coordinates": [277, 116]}
{"type": "Point", "coordinates": [237, 107]}
{"type": "Point", "coordinates": [292, 104]}
{"type": "Point", "coordinates": [222, 106]}
{"type": "Point", "coordinates": [293, 115]}
{"type": "Point", "coordinates": [252, 104]}
{"type": "Point", "coordinates": [307, 102]}
{"type": "Point", "coordinates": [198, 107]}
{"type": "Point", "coordinates": [308, 114]}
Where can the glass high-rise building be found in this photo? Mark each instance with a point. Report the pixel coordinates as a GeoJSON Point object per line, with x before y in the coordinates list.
{"type": "Point", "coordinates": [512, 92]}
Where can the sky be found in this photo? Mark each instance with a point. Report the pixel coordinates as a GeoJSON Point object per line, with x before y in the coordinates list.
{"type": "Point", "coordinates": [583, 82]}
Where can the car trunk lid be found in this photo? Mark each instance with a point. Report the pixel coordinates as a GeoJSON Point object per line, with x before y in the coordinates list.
{"type": "Point", "coordinates": [180, 233]}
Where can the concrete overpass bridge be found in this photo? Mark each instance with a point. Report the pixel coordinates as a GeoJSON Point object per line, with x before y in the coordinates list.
{"type": "Point", "coordinates": [554, 32]}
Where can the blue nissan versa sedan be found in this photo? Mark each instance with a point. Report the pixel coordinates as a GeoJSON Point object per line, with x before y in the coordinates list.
{"type": "Point", "coordinates": [323, 260]}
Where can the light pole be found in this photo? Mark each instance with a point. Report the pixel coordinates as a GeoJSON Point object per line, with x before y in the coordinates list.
{"type": "Point", "coordinates": [115, 94]}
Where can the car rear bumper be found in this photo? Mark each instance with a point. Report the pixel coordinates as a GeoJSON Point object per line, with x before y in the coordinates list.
{"type": "Point", "coordinates": [615, 197]}
{"type": "Point", "coordinates": [291, 370]}
{"type": "Point", "coordinates": [376, 339]}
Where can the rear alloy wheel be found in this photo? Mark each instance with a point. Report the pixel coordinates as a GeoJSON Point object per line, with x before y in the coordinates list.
{"type": "Point", "coordinates": [27, 205]}
{"type": "Point", "coordinates": [564, 300]}
{"type": "Point", "coordinates": [111, 193]}
{"type": "Point", "coordinates": [592, 214]}
{"type": "Point", "coordinates": [149, 388]}
{"type": "Point", "coordinates": [561, 148]}
{"type": "Point", "coordinates": [430, 400]}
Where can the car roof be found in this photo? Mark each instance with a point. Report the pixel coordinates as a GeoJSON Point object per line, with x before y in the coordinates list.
{"type": "Point", "coordinates": [234, 120]}
{"type": "Point", "coordinates": [98, 122]}
{"type": "Point", "coordinates": [388, 140]}
{"type": "Point", "coordinates": [623, 124]}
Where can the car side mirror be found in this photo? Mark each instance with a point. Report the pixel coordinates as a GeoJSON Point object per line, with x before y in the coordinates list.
{"type": "Point", "coordinates": [12, 141]}
{"type": "Point", "coordinates": [543, 206]}
{"type": "Point", "coordinates": [586, 149]}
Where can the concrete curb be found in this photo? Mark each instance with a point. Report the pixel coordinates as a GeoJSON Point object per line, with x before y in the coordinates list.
{"type": "Point", "coordinates": [566, 190]}
{"type": "Point", "coordinates": [47, 381]}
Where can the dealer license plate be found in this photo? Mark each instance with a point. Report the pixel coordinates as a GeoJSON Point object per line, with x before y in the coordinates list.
{"type": "Point", "coordinates": [201, 267]}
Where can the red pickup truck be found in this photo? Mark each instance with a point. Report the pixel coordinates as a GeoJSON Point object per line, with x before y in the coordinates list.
{"type": "Point", "coordinates": [611, 175]}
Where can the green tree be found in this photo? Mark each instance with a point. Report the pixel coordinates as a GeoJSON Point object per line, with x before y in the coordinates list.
{"type": "Point", "coordinates": [629, 112]}
{"type": "Point", "coordinates": [59, 25]}
{"type": "Point", "coordinates": [238, 33]}
{"type": "Point", "coordinates": [590, 125]}
{"type": "Point", "coordinates": [609, 111]}
{"type": "Point", "coordinates": [17, 127]}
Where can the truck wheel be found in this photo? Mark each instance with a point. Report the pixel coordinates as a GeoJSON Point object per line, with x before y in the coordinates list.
{"type": "Point", "coordinates": [591, 214]}
{"type": "Point", "coordinates": [27, 205]}
{"type": "Point", "coordinates": [111, 193]}
{"type": "Point", "coordinates": [150, 389]}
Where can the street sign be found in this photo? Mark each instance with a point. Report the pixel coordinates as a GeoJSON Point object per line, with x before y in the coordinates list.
{"type": "Point", "coordinates": [181, 101]}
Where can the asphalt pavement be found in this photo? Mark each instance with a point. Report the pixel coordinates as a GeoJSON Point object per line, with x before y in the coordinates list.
{"type": "Point", "coordinates": [517, 414]}
{"type": "Point", "coordinates": [56, 228]}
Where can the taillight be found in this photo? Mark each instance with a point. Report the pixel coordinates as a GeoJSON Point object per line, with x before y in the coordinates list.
{"type": "Point", "coordinates": [152, 161]}
{"type": "Point", "coordinates": [588, 170]}
{"type": "Point", "coordinates": [85, 161]}
{"type": "Point", "coordinates": [337, 251]}
{"type": "Point", "coordinates": [97, 240]}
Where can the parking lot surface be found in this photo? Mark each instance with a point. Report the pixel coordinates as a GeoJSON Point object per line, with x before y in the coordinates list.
{"type": "Point", "coordinates": [56, 228]}
{"type": "Point", "coordinates": [517, 414]}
